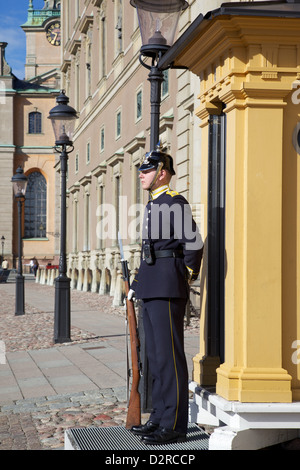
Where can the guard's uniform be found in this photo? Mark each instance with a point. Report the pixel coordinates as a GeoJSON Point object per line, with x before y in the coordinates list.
{"type": "Point", "coordinates": [171, 255]}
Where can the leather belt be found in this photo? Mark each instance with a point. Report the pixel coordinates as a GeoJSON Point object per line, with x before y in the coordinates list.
{"type": "Point", "coordinates": [168, 254]}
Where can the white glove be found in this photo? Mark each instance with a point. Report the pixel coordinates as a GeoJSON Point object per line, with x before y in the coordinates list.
{"type": "Point", "coordinates": [130, 294]}
{"type": "Point", "coordinates": [190, 274]}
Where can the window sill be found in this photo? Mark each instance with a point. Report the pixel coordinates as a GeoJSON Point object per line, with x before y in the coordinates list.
{"type": "Point", "coordinates": [35, 239]}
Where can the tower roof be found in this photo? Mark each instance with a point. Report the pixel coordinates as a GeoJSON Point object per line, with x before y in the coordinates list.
{"type": "Point", "coordinates": [37, 18]}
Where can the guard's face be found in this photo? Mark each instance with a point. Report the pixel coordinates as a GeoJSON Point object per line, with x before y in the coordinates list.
{"type": "Point", "coordinates": [147, 177]}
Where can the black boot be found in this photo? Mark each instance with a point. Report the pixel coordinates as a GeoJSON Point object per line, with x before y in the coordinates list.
{"type": "Point", "coordinates": [163, 436]}
{"type": "Point", "coordinates": [144, 429]}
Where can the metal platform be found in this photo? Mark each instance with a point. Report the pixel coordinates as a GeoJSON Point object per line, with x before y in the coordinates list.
{"type": "Point", "coordinates": [119, 438]}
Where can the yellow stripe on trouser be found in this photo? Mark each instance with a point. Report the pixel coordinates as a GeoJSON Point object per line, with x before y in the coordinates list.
{"type": "Point", "coordinates": [170, 317]}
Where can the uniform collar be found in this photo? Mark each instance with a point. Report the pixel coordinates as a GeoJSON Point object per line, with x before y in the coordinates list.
{"type": "Point", "coordinates": [157, 192]}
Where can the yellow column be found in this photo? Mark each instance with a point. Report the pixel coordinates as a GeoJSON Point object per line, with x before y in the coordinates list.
{"type": "Point", "coordinates": [253, 371]}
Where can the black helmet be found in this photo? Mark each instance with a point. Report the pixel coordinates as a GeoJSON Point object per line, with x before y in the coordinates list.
{"type": "Point", "coordinates": [153, 158]}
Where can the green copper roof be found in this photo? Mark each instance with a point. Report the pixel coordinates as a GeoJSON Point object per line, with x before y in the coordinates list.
{"type": "Point", "coordinates": [23, 86]}
{"type": "Point", "coordinates": [38, 17]}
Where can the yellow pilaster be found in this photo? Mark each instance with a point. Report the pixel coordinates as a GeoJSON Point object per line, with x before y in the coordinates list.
{"type": "Point", "coordinates": [253, 300]}
{"type": "Point", "coordinates": [250, 65]}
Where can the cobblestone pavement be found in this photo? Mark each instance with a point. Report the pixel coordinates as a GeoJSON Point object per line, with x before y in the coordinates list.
{"type": "Point", "coordinates": [39, 423]}
{"type": "Point", "coordinates": [32, 331]}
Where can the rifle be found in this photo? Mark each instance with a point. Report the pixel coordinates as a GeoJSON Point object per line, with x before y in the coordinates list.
{"type": "Point", "coordinates": [134, 406]}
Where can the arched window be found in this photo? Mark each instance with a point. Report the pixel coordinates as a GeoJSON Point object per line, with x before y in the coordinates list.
{"type": "Point", "coordinates": [35, 123]}
{"type": "Point", "coordinates": [36, 206]}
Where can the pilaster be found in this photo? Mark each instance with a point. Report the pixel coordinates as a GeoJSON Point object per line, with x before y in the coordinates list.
{"type": "Point", "coordinates": [252, 78]}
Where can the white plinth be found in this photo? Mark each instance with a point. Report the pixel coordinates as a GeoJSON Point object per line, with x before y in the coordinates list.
{"type": "Point", "coordinates": [244, 425]}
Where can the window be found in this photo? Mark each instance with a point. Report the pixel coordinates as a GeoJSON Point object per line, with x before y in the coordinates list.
{"type": "Point", "coordinates": [76, 163]}
{"type": "Point", "coordinates": [77, 85]}
{"type": "Point", "coordinates": [102, 139]}
{"type": "Point", "coordinates": [35, 123]}
{"type": "Point", "coordinates": [165, 84]}
{"type": "Point", "coordinates": [118, 125]}
{"type": "Point", "coordinates": [89, 67]}
{"type": "Point", "coordinates": [139, 105]}
{"type": "Point", "coordinates": [35, 214]}
{"type": "Point", "coordinates": [119, 26]}
{"type": "Point", "coordinates": [103, 48]}
{"type": "Point", "coordinates": [88, 152]}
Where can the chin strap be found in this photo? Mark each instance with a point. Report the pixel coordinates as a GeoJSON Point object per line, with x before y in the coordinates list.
{"type": "Point", "coordinates": [160, 165]}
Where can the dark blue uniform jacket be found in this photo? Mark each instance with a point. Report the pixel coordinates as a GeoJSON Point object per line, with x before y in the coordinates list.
{"type": "Point", "coordinates": [168, 225]}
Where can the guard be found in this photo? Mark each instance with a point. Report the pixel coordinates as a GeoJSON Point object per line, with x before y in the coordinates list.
{"type": "Point", "coordinates": [171, 257]}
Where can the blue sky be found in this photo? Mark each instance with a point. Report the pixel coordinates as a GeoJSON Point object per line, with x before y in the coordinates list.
{"type": "Point", "coordinates": [13, 14]}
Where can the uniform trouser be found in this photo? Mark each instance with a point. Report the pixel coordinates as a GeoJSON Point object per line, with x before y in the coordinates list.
{"type": "Point", "coordinates": [164, 337]}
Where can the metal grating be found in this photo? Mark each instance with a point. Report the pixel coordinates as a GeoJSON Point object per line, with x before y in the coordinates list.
{"type": "Point", "coordinates": [120, 438]}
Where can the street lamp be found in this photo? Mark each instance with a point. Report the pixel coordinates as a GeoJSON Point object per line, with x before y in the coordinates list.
{"type": "Point", "coordinates": [63, 119]}
{"type": "Point", "coordinates": [19, 181]}
{"type": "Point", "coordinates": [2, 243]}
{"type": "Point", "coordinates": [158, 20]}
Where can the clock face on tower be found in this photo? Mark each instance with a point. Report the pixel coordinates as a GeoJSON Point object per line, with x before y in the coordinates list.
{"type": "Point", "coordinates": [53, 34]}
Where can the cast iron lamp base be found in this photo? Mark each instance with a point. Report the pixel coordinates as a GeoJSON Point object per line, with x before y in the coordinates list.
{"type": "Point", "coordinates": [20, 297]}
{"type": "Point", "coordinates": [62, 316]}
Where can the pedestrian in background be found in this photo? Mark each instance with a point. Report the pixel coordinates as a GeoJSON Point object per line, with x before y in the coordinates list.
{"type": "Point", "coordinates": [5, 264]}
{"type": "Point", "coordinates": [35, 266]}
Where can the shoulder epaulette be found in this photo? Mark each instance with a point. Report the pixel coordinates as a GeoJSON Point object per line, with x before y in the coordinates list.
{"type": "Point", "coordinates": [172, 193]}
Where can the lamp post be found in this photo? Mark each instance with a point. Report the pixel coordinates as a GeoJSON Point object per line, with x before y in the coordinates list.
{"type": "Point", "coordinates": [63, 119]}
{"type": "Point", "coordinates": [19, 181]}
{"type": "Point", "coordinates": [2, 243]}
{"type": "Point", "coordinates": [158, 20]}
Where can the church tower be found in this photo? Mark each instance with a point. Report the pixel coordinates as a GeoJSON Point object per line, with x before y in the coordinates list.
{"type": "Point", "coordinates": [43, 36]}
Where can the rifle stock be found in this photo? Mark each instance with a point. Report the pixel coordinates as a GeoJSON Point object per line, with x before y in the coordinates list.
{"type": "Point", "coordinates": [134, 406]}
